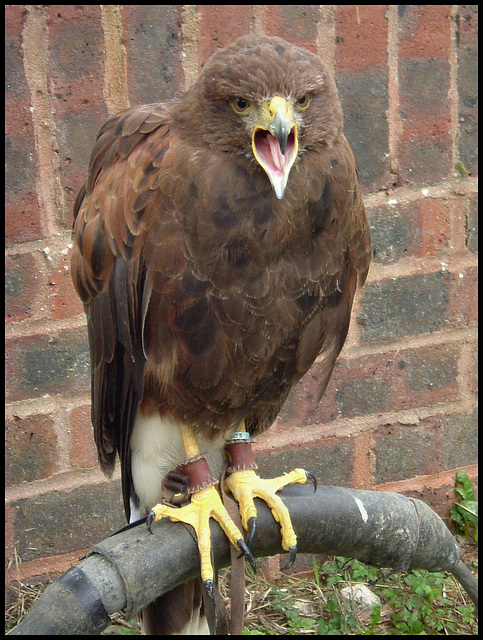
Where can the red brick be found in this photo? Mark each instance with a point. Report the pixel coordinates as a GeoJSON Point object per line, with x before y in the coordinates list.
{"type": "Point", "coordinates": [460, 440]}
{"type": "Point", "coordinates": [331, 460]}
{"type": "Point", "coordinates": [434, 445]}
{"type": "Point", "coordinates": [302, 409]}
{"type": "Point", "coordinates": [434, 226]}
{"type": "Point", "coordinates": [83, 452]}
{"type": "Point", "coordinates": [393, 308]}
{"type": "Point", "coordinates": [270, 568]}
{"type": "Point", "coordinates": [463, 224]}
{"type": "Point", "coordinates": [22, 215]}
{"type": "Point", "coordinates": [361, 36]}
{"type": "Point", "coordinates": [419, 229]}
{"type": "Point", "coordinates": [22, 286]}
{"type": "Point", "coordinates": [76, 47]}
{"type": "Point", "coordinates": [30, 287]}
{"type": "Point", "coordinates": [425, 144]}
{"type": "Point", "coordinates": [65, 302]}
{"type": "Point", "coordinates": [424, 30]}
{"type": "Point", "coordinates": [45, 570]}
{"type": "Point", "coordinates": [403, 451]}
{"type": "Point", "coordinates": [16, 87]}
{"type": "Point", "coordinates": [78, 131]}
{"type": "Point", "coordinates": [30, 448]}
{"type": "Point", "coordinates": [425, 152]}
{"type": "Point", "coordinates": [362, 80]}
{"type": "Point", "coordinates": [391, 381]}
{"type": "Point", "coordinates": [14, 19]}
{"type": "Point", "coordinates": [365, 101]}
{"type": "Point", "coordinates": [154, 48]}
{"type": "Point", "coordinates": [87, 45]}
{"type": "Point", "coordinates": [463, 297]}
{"type": "Point", "coordinates": [364, 460]}
{"type": "Point", "coordinates": [467, 24]}
{"type": "Point", "coordinates": [424, 81]}
{"type": "Point", "coordinates": [43, 364]}
{"type": "Point", "coordinates": [22, 218]}
{"type": "Point", "coordinates": [220, 24]}
{"type": "Point", "coordinates": [76, 519]}
{"type": "Point", "coordinates": [394, 381]}
{"type": "Point", "coordinates": [296, 23]}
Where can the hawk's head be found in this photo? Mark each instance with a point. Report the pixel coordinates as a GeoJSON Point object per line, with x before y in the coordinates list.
{"type": "Point", "coordinates": [265, 99]}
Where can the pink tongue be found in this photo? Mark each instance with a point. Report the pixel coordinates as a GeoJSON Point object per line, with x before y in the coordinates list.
{"type": "Point", "coordinates": [277, 156]}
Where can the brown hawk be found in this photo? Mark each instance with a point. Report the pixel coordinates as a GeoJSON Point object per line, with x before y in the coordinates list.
{"type": "Point", "coordinates": [219, 240]}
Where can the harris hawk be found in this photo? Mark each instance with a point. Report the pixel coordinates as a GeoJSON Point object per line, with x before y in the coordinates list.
{"type": "Point", "coordinates": [219, 241]}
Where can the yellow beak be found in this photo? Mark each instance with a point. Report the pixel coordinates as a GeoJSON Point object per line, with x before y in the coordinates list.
{"type": "Point", "coordinates": [275, 143]}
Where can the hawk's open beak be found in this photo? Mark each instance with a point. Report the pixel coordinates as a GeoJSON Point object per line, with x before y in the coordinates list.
{"type": "Point", "coordinates": [275, 144]}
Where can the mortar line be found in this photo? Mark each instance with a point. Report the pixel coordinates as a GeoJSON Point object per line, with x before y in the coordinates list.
{"type": "Point", "coordinates": [36, 63]}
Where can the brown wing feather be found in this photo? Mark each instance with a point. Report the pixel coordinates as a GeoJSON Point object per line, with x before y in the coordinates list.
{"type": "Point", "coordinates": [112, 216]}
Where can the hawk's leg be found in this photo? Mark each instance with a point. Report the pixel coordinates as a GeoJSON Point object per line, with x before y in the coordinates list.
{"type": "Point", "coordinates": [245, 485]}
{"type": "Point", "coordinates": [205, 504]}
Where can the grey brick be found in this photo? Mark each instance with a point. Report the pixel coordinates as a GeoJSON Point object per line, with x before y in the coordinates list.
{"type": "Point", "coordinates": [393, 309]}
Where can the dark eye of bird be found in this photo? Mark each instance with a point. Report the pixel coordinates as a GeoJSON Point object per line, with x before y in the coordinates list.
{"type": "Point", "coordinates": [240, 105]}
{"type": "Point", "coordinates": [303, 102]}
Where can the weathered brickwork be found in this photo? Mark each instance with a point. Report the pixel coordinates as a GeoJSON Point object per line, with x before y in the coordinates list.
{"type": "Point", "coordinates": [400, 412]}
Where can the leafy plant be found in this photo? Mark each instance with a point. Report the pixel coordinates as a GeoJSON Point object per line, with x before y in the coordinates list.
{"type": "Point", "coordinates": [465, 512]}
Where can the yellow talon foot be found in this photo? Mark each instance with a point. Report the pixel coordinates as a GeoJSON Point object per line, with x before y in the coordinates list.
{"type": "Point", "coordinates": [205, 504]}
{"type": "Point", "coordinates": [245, 485]}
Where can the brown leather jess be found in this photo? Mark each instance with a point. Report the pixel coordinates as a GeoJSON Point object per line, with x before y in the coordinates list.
{"type": "Point", "coordinates": [198, 473]}
{"type": "Point", "coordinates": [240, 456]}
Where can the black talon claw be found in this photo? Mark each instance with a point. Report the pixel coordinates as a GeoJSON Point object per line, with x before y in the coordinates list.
{"type": "Point", "coordinates": [209, 586]}
{"type": "Point", "coordinates": [149, 520]}
{"type": "Point", "coordinates": [312, 478]}
{"type": "Point", "coordinates": [245, 551]}
{"type": "Point", "coordinates": [252, 527]}
{"type": "Point", "coordinates": [291, 559]}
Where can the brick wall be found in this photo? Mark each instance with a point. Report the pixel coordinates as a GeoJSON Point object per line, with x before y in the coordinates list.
{"type": "Point", "coordinates": [400, 411]}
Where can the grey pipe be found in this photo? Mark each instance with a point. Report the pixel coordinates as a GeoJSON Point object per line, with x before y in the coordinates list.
{"type": "Point", "coordinates": [129, 570]}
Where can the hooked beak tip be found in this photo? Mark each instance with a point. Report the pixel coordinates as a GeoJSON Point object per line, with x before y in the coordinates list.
{"type": "Point", "coordinates": [280, 127]}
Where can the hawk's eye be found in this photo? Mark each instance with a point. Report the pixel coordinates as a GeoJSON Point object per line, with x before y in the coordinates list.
{"type": "Point", "coordinates": [241, 106]}
{"type": "Point", "coordinates": [303, 102]}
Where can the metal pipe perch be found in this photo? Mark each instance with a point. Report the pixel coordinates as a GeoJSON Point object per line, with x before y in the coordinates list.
{"type": "Point", "coordinates": [129, 570]}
